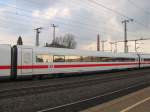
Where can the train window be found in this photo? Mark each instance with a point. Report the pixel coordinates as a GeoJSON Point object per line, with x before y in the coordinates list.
{"type": "Point", "coordinates": [105, 59]}
{"type": "Point", "coordinates": [146, 59]}
{"type": "Point", "coordinates": [59, 58]}
{"type": "Point", "coordinates": [101, 59]}
{"type": "Point", "coordinates": [96, 59]}
{"type": "Point", "coordinates": [121, 59]}
{"type": "Point", "coordinates": [112, 59]}
{"type": "Point", "coordinates": [125, 59]}
{"type": "Point", "coordinates": [87, 59]}
{"type": "Point", "coordinates": [130, 59]}
{"type": "Point", "coordinates": [72, 58]}
{"type": "Point", "coordinates": [43, 58]}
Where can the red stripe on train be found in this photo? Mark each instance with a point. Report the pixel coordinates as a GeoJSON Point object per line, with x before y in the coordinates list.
{"type": "Point", "coordinates": [4, 67]}
{"type": "Point", "coordinates": [68, 66]}
{"type": "Point", "coordinates": [72, 65]}
{"type": "Point", "coordinates": [33, 67]}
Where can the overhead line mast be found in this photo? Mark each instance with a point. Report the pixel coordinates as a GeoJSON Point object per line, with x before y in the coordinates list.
{"type": "Point", "coordinates": [37, 43]}
{"type": "Point", "coordinates": [54, 29]}
{"type": "Point", "coordinates": [125, 34]}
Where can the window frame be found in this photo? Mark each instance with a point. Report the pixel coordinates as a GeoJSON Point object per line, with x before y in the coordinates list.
{"type": "Point", "coordinates": [50, 58]}
{"type": "Point", "coordinates": [58, 61]}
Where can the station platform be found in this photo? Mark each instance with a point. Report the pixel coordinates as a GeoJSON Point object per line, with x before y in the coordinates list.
{"type": "Point", "coordinates": [134, 102]}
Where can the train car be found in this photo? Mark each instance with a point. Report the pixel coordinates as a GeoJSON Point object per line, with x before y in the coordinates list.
{"type": "Point", "coordinates": [5, 61]}
{"type": "Point", "coordinates": [144, 60]}
{"type": "Point", "coordinates": [32, 61]}
{"type": "Point", "coordinates": [19, 61]}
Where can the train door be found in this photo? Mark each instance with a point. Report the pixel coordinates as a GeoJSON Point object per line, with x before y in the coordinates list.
{"type": "Point", "coordinates": [27, 61]}
{"type": "Point", "coordinates": [51, 65]}
{"type": "Point", "coordinates": [5, 60]}
{"type": "Point", "coordinates": [139, 60]}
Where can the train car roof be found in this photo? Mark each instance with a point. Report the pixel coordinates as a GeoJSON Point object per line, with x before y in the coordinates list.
{"type": "Point", "coordinates": [77, 52]}
{"type": "Point", "coordinates": [144, 55]}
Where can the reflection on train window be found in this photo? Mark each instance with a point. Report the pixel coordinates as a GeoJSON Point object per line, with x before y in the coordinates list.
{"type": "Point", "coordinates": [43, 58]}
{"type": "Point", "coordinates": [97, 59]}
{"type": "Point", "coordinates": [87, 59]}
{"type": "Point", "coordinates": [59, 58]}
{"type": "Point", "coordinates": [72, 58]}
{"type": "Point", "coordinates": [146, 59]}
{"type": "Point", "coordinates": [105, 59]}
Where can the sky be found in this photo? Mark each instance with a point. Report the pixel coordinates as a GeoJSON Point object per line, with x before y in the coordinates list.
{"type": "Point", "coordinates": [82, 18]}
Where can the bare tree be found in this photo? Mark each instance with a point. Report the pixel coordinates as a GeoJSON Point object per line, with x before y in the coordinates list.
{"type": "Point", "coordinates": [19, 41]}
{"type": "Point", "coordinates": [68, 41]}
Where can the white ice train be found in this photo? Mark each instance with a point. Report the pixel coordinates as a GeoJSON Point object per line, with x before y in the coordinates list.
{"type": "Point", "coordinates": [19, 61]}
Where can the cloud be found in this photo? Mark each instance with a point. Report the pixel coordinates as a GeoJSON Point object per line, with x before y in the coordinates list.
{"type": "Point", "coordinates": [83, 19]}
{"type": "Point", "coordinates": [50, 13]}
{"type": "Point", "coordinates": [90, 46]}
{"type": "Point", "coordinates": [65, 12]}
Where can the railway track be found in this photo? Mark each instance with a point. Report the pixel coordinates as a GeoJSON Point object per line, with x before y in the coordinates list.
{"type": "Point", "coordinates": [83, 104]}
{"type": "Point", "coordinates": [16, 92]}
